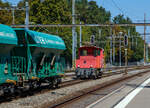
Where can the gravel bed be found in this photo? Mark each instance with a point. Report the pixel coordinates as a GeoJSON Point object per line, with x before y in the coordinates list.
{"type": "Point", "coordinates": [37, 100]}
{"type": "Point", "coordinates": [67, 79]}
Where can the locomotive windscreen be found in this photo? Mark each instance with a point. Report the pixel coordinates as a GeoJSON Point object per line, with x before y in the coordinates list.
{"type": "Point", "coordinates": [89, 52]}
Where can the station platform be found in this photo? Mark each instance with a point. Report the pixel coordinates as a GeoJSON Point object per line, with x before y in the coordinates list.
{"type": "Point", "coordinates": [134, 94]}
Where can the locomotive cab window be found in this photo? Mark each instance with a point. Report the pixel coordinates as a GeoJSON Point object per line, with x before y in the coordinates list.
{"type": "Point", "coordinates": [95, 53]}
{"type": "Point", "coordinates": [99, 52]}
{"type": "Point", "coordinates": [83, 53]}
{"type": "Point", "coordinates": [90, 52]}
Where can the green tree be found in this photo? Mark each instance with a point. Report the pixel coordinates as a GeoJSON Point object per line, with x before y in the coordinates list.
{"type": "Point", "coordinates": [5, 16]}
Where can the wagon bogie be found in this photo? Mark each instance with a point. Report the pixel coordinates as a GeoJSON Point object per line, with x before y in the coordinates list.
{"type": "Point", "coordinates": [7, 89]}
{"type": "Point", "coordinates": [88, 73]}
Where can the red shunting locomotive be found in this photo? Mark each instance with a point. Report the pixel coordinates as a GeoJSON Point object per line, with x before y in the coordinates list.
{"type": "Point", "coordinates": [90, 62]}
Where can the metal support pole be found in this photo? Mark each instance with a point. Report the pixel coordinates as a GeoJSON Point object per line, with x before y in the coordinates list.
{"type": "Point", "coordinates": [120, 49]}
{"type": "Point", "coordinates": [73, 34]}
{"type": "Point", "coordinates": [146, 53]}
{"type": "Point", "coordinates": [126, 60]}
{"type": "Point", "coordinates": [27, 15]}
{"type": "Point", "coordinates": [136, 41]}
{"type": "Point", "coordinates": [144, 39]}
{"type": "Point", "coordinates": [100, 31]}
{"type": "Point", "coordinates": [80, 35]}
{"type": "Point", "coordinates": [75, 45]}
{"type": "Point", "coordinates": [111, 50]}
{"type": "Point", "coordinates": [114, 49]}
{"type": "Point", "coordinates": [110, 46]}
{"type": "Point", "coordinates": [130, 44]}
{"type": "Point", "coordinates": [132, 41]}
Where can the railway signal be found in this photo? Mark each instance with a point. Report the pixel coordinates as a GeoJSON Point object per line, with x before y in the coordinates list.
{"type": "Point", "coordinates": [92, 39]}
{"type": "Point", "coordinates": [126, 40]}
{"type": "Point", "coordinates": [126, 55]}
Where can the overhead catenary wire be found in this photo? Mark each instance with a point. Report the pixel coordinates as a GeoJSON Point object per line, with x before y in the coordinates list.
{"type": "Point", "coordinates": [84, 25]}
{"type": "Point", "coordinates": [115, 4]}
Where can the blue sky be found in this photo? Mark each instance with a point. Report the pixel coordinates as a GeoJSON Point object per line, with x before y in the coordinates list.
{"type": "Point", "coordinates": [14, 2]}
{"type": "Point", "coordinates": [135, 9]}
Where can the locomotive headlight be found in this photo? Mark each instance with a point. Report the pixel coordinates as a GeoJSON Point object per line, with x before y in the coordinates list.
{"type": "Point", "coordinates": [91, 66]}
{"type": "Point", "coordinates": [78, 66]}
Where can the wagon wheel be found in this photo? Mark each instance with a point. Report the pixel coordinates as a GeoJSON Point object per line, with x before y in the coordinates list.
{"type": "Point", "coordinates": [33, 85]}
{"type": "Point", "coordinates": [38, 84]}
{"type": "Point", "coordinates": [50, 84]}
{"type": "Point", "coordinates": [55, 83]}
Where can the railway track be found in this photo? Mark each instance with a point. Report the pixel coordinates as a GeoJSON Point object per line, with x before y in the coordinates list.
{"type": "Point", "coordinates": [108, 68]}
{"type": "Point", "coordinates": [45, 89]}
{"type": "Point", "coordinates": [71, 73]}
{"type": "Point", "coordinates": [106, 74]}
{"type": "Point", "coordinates": [77, 95]}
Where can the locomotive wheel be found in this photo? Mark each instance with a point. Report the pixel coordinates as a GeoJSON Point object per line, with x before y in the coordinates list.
{"type": "Point", "coordinates": [94, 77]}
{"type": "Point", "coordinates": [100, 74]}
{"type": "Point", "coordinates": [94, 74]}
{"type": "Point", "coordinates": [76, 73]}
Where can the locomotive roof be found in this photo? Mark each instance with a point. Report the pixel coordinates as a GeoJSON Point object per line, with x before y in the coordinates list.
{"type": "Point", "coordinates": [46, 40]}
{"type": "Point", "coordinates": [7, 35]}
{"type": "Point", "coordinates": [94, 47]}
